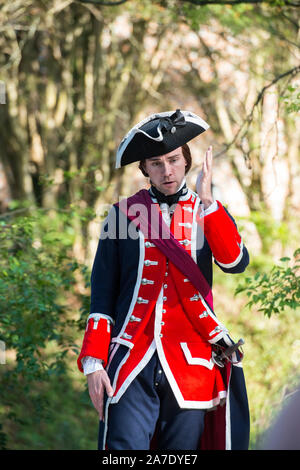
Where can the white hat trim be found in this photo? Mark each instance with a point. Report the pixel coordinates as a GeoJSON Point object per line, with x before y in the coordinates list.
{"type": "Point", "coordinates": [189, 117]}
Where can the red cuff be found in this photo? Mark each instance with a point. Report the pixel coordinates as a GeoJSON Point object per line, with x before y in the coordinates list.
{"type": "Point", "coordinates": [96, 341]}
{"type": "Point", "coordinates": [223, 238]}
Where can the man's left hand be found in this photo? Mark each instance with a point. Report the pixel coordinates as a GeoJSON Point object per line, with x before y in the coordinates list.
{"type": "Point", "coordinates": [203, 185]}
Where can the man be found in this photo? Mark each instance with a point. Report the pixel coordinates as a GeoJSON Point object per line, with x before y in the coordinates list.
{"type": "Point", "coordinates": [159, 363]}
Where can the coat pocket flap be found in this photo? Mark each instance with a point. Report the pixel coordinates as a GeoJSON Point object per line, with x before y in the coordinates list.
{"type": "Point", "coordinates": [197, 354]}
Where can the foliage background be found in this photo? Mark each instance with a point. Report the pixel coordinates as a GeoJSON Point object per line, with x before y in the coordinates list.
{"type": "Point", "coordinates": [77, 77]}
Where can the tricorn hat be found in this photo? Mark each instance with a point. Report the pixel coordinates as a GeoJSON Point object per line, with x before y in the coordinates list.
{"type": "Point", "coordinates": [159, 134]}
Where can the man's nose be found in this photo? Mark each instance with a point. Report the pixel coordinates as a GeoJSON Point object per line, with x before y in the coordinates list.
{"type": "Point", "coordinates": [167, 169]}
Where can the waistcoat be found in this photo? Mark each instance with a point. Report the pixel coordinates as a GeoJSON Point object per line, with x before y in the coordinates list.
{"type": "Point", "coordinates": [169, 314]}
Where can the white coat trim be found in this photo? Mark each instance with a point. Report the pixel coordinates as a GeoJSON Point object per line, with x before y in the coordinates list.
{"type": "Point", "coordinates": [227, 419]}
{"type": "Point", "coordinates": [111, 354]}
{"type": "Point", "coordinates": [206, 405]}
{"type": "Point", "coordinates": [194, 229]}
{"type": "Point", "coordinates": [186, 197]}
{"type": "Point", "coordinates": [105, 422]}
{"type": "Point", "coordinates": [97, 316]}
{"type": "Point", "coordinates": [212, 208]}
{"type": "Point", "coordinates": [221, 335]}
{"type": "Point", "coordinates": [144, 361]}
{"type": "Point", "coordinates": [236, 261]}
{"type": "Point", "coordinates": [173, 384]}
{"type": "Point", "coordinates": [198, 361]}
{"type": "Point", "coordinates": [228, 340]}
{"type": "Point", "coordinates": [237, 364]}
{"type": "Point", "coordinates": [119, 338]}
{"type": "Point", "coordinates": [160, 351]}
{"type": "Point", "coordinates": [209, 210]}
{"type": "Point", "coordinates": [194, 256]}
{"type": "Point", "coordinates": [124, 341]}
{"type": "Point", "coordinates": [110, 399]}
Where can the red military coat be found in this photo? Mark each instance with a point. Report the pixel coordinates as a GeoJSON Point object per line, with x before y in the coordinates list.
{"type": "Point", "coordinates": [168, 314]}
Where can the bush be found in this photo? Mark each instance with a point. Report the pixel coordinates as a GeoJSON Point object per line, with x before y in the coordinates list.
{"type": "Point", "coordinates": [37, 273]}
{"type": "Point", "coordinates": [276, 291]}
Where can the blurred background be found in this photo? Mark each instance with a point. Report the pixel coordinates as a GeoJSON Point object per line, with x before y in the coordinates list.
{"type": "Point", "coordinates": [74, 78]}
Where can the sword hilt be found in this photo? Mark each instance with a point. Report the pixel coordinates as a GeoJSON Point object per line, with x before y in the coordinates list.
{"type": "Point", "coordinates": [231, 349]}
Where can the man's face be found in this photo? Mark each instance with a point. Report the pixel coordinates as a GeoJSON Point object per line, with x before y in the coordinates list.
{"type": "Point", "coordinates": [166, 171]}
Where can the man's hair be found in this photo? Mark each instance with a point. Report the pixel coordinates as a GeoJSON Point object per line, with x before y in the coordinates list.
{"type": "Point", "coordinates": [187, 156]}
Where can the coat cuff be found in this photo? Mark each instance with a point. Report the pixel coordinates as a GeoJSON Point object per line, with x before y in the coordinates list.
{"type": "Point", "coordinates": [223, 238]}
{"type": "Point", "coordinates": [96, 338]}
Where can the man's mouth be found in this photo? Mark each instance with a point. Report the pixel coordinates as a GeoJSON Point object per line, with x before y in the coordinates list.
{"type": "Point", "coordinates": [169, 182]}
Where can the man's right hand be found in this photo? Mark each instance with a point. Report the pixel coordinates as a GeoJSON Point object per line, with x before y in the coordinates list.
{"type": "Point", "coordinates": [98, 381]}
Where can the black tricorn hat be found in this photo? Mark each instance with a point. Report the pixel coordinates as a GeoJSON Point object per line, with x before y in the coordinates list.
{"type": "Point", "coordinates": [159, 134]}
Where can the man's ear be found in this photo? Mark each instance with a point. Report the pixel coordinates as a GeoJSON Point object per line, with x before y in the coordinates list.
{"type": "Point", "coordinates": [145, 172]}
{"type": "Point", "coordinates": [142, 168]}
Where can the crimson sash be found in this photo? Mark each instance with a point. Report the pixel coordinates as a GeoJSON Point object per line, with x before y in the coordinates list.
{"type": "Point", "coordinates": [160, 234]}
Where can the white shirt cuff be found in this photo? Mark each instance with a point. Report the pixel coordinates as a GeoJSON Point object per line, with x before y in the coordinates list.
{"type": "Point", "coordinates": [212, 208]}
{"type": "Point", "coordinates": [209, 210]}
{"type": "Point", "coordinates": [91, 364]}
